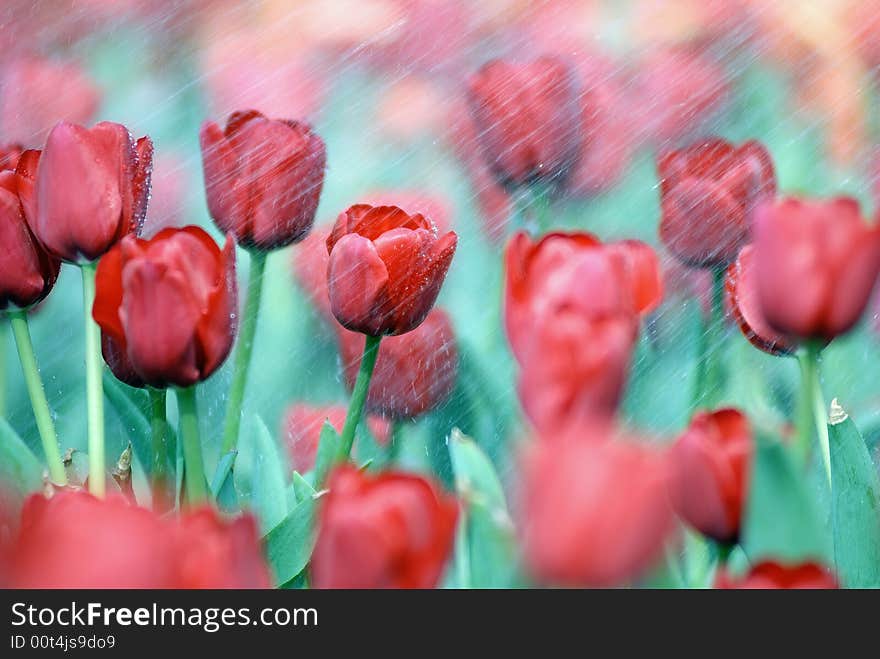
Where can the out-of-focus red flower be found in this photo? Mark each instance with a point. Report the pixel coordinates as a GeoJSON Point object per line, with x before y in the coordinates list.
{"type": "Point", "coordinates": [391, 530]}
{"type": "Point", "coordinates": [527, 117]}
{"type": "Point", "coordinates": [712, 460]}
{"type": "Point", "coordinates": [87, 189]}
{"type": "Point", "coordinates": [414, 372]}
{"type": "Point", "coordinates": [411, 109]}
{"type": "Point", "coordinates": [37, 93]}
{"type": "Point", "coordinates": [9, 155]}
{"type": "Point", "coordinates": [386, 268]}
{"type": "Point", "coordinates": [708, 194]}
{"type": "Point", "coordinates": [263, 178]}
{"type": "Point", "coordinates": [169, 186]}
{"type": "Point", "coordinates": [594, 510]}
{"type": "Point", "coordinates": [415, 201]}
{"type": "Point", "coordinates": [742, 295]}
{"type": "Point", "coordinates": [27, 272]}
{"type": "Point", "coordinates": [310, 264]}
{"type": "Point", "coordinates": [302, 430]}
{"type": "Point", "coordinates": [74, 540]}
{"type": "Point", "coordinates": [816, 263]}
{"type": "Point", "coordinates": [770, 575]}
{"type": "Point", "coordinates": [168, 304]}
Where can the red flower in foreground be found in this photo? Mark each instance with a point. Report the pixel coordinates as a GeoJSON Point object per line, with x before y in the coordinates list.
{"type": "Point", "coordinates": [302, 430]}
{"type": "Point", "coordinates": [263, 178]}
{"type": "Point", "coordinates": [87, 189]}
{"type": "Point", "coordinates": [712, 461]}
{"type": "Point", "coordinates": [74, 540]}
{"type": "Point", "coordinates": [168, 304]}
{"type": "Point", "coordinates": [391, 530]}
{"type": "Point", "coordinates": [771, 575]}
{"type": "Point", "coordinates": [528, 119]}
{"type": "Point", "coordinates": [9, 155]}
{"type": "Point", "coordinates": [816, 263]}
{"type": "Point", "coordinates": [414, 372]}
{"type": "Point", "coordinates": [27, 272]}
{"type": "Point", "coordinates": [742, 294]}
{"type": "Point", "coordinates": [594, 508]}
{"type": "Point", "coordinates": [708, 193]}
{"type": "Point", "coordinates": [386, 268]}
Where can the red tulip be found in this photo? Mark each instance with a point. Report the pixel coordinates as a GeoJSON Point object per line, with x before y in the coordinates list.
{"type": "Point", "coordinates": [770, 575]}
{"type": "Point", "coordinates": [74, 540]}
{"type": "Point", "coordinates": [263, 178]}
{"type": "Point", "coordinates": [302, 430]}
{"type": "Point", "coordinates": [712, 461]}
{"type": "Point", "coordinates": [593, 508]}
{"type": "Point", "coordinates": [391, 530]}
{"type": "Point", "coordinates": [742, 294]}
{"type": "Point", "coordinates": [709, 192]}
{"type": "Point", "coordinates": [528, 119]}
{"type": "Point", "coordinates": [386, 268]}
{"type": "Point", "coordinates": [27, 272]}
{"type": "Point", "coordinates": [816, 263]}
{"type": "Point", "coordinates": [87, 189]}
{"type": "Point", "coordinates": [414, 372]}
{"type": "Point", "coordinates": [168, 303]}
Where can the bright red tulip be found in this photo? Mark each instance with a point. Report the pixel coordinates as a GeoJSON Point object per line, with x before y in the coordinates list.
{"type": "Point", "coordinates": [528, 119]}
{"type": "Point", "coordinates": [742, 294]}
{"type": "Point", "coordinates": [302, 430]}
{"type": "Point", "coordinates": [168, 303]}
{"type": "Point", "coordinates": [263, 178]}
{"type": "Point", "coordinates": [414, 372]}
{"type": "Point", "coordinates": [770, 575]}
{"type": "Point", "coordinates": [593, 506]}
{"type": "Point", "coordinates": [712, 460]}
{"type": "Point", "coordinates": [87, 189]}
{"type": "Point", "coordinates": [27, 272]}
{"type": "Point", "coordinates": [816, 263]}
{"type": "Point", "coordinates": [391, 530]}
{"type": "Point", "coordinates": [708, 194]}
{"type": "Point", "coordinates": [386, 268]}
{"type": "Point", "coordinates": [74, 540]}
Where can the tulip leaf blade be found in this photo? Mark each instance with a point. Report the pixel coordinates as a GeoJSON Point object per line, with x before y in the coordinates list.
{"type": "Point", "coordinates": [302, 489]}
{"type": "Point", "coordinates": [855, 506]}
{"type": "Point", "coordinates": [20, 470]}
{"type": "Point", "coordinates": [289, 545]}
{"type": "Point", "coordinates": [268, 482]}
{"type": "Point", "coordinates": [328, 447]}
{"type": "Point", "coordinates": [223, 483]}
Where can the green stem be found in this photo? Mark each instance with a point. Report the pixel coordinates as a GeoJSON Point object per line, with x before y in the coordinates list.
{"type": "Point", "coordinates": [394, 440]}
{"type": "Point", "coordinates": [42, 414]}
{"type": "Point", "coordinates": [709, 376]}
{"type": "Point", "coordinates": [196, 485]}
{"type": "Point", "coordinates": [462, 551]}
{"type": "Point", "coordinates": [820, 412]}
{"type": "Point", "coordinates": [243, 352]}
{"type": "Point", "coordinates": [4, 333]}
{"type": "Point", "coordinates": [159, 434]}
{"type": "Point", "coordinates": [358, 396]}
{"type": "Point", "coordinates": [94, 385]}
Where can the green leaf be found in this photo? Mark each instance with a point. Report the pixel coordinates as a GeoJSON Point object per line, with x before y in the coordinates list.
{"type": "Point", "coordinates": [20, 470]}
{"type": "Point", "coordinates": [300, 488]}
{"type": "Point", "coordinates": [328, 447]}
{"type": "Point", "coordinates": [783, 516]}
{"type": "Point", "coordinates": [289, 545]}
{"type": "Point", "coordinates": [268, 484]}
{"type": "Point", "coordinates": [855, 505]}
{"type": "Point", "coordinates": [223, 483]}
{"type": "Point", "coordinates": [131, 406]}
{"type": "Point", "coordinates": [474, 473]}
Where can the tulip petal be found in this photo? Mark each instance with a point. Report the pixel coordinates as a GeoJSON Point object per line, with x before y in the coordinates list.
{"type": "Point", "coordinates": [357, 280]}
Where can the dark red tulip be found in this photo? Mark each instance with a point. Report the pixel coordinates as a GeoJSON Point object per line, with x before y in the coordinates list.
{"type": "Point", "coordinates": [263, 178]}
{"type": "Point", "coordinates": [390, 530]}
{"type": "Point", "coordinates": [816, 263]}
{"type": "Point", "coordinates": [414, 372]}
{"type": "Point", "coordinates": [708, 195]}
{"type": "Point", "coordinates": [593, 508]}
{"type": "Point", "coordinates": [302, 430]}
{"type": "Point", "coordinates": [712, 461]}
{"type": "Point", "coordinates": [527, 117]}
{"type": "Point", "coordinates": [770, 575]}
{"type": "Point", "coordinates": [87, 189]}
{"type": "Point", "coordinates": [386, 268]}
{"type": "Point", "coordinates": [168, 303]}
{"type": "Point", "coordinates": [27, 272]}
{"type": "Point", "coordinates": [116, 358]}
{"type": "Point", "coordinates": [742, 294]}
{"type": "Point", "coordinates": [74, 540]}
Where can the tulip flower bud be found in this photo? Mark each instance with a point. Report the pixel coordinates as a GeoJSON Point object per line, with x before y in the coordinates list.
{"type": "Point", "coordinates": [414, 372]}
{"type": "Point", "coordinates": [708, 195]}
{"type": "Point", "coordinates": [263, 178]}
{"type": "Point", "coordinates": [770, 575]}
{"type": "Point", "coordinates": [528, 120]}
{"type": "Point", "coordinates": [168, 304]}
{"type": "Point", "coordinates": [816, 263]}
{"type": "Point", "coordinates": [712, 461]}
{"type": "Point", "coordinates": [87, 189]}
{"type": "Point", "coordinates": [386, 268]}
{"type": "Point", "coordinates": [391, 530]}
